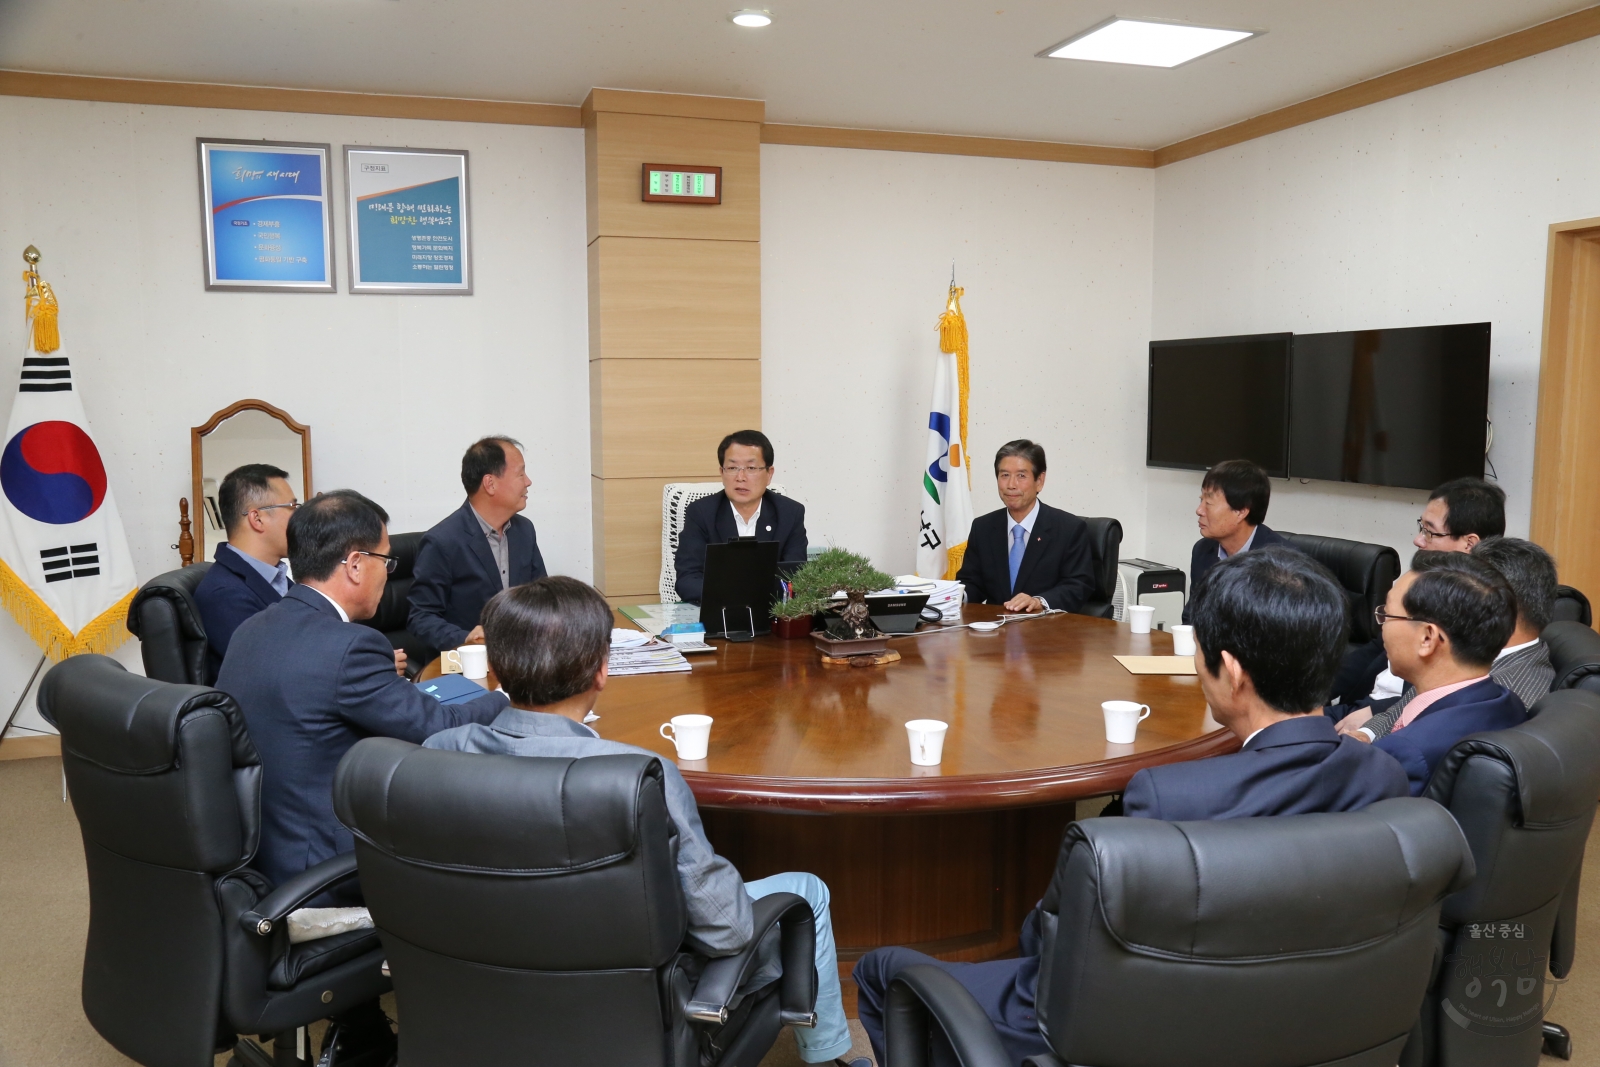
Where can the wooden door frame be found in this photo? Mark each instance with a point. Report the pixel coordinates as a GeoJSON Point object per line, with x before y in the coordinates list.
{"type": "Point", "coordinates": [1565, 517]}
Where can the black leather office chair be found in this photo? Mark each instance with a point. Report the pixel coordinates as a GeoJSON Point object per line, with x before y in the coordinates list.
{"type": "Point", "coordinates": [1366, 571]}
{"type": "Point", "coordinates": [1575, 654]}
{"type": "Point", "coordinates": [172, 638]}
{"type": "Point", "coordinates": [395, 607]}
{"type": "Point", "coordinates": [1525, 797]}
{"type": "Point", "coordinates": [1289, 942]}
{"type": "Point", "coordinates": [531, 911]}
{"type": "Point", "coordinates": [187, 946]}
{"type": "Point", "coordinates": [1105, 540]}
{"type": "Point", "coordinates": [1572, 606]}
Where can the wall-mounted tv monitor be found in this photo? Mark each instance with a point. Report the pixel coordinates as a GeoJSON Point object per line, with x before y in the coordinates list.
{"type": "Point", "coordinates": [1405, 407]}
{"type": "Point", "coordinates": [1217, 398]}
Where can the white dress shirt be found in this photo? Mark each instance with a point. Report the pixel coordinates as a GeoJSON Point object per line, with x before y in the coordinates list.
{"type": "Point", "coordinates": [1027, 525]}
{"type": "Point", "coordinates": [330, 600]}
{"type": "Point", "coordinates": [746, 529]}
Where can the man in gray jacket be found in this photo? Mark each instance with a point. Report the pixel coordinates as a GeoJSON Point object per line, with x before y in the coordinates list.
{"type": "Point", "coordinates": [548, 645]}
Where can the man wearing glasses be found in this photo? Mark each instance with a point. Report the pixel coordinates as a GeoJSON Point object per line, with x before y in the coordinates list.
{"type": "Point", "coordinates": [311, 684]}
{"type": "Point", "coordinates": [1459, 514]}
{"type": "Point", "coordinates": [250, 576]}
{"type": "Point", "coordinates": [743, 508]}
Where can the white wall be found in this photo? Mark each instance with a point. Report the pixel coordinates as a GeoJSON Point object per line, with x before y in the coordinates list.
{"type": "Point", "coordinates": [394, 388]}
{"type": "Point", "coordinates": [1430, 208]}
{"type": "Point", "coordinates": [856, 251]}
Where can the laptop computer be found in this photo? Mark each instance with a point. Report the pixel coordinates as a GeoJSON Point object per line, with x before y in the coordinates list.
{"type": "Point", "coordinates": [740, 586]}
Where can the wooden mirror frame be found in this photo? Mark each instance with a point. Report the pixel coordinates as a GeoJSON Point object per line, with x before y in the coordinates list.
{"type": "Point", "coordinates": [198, 432]}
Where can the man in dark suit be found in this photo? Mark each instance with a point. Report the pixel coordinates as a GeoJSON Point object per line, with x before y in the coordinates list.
{"type": "Point", "coordinates": [250, 576]}
{"type": "Point", "coordinates": [311, 684]}
{"type": "Point", "coordinates": [743, 508]}
{"type": "Point", "coordinates": [1459, 514]}
{"type": "Point", "coordinates": [484, 546]}
{"type": "Point", "coordinates": [1443, 624]}
{"type": "Point", "coordinates": [1027, 556]}
{"type": "Point", "coordinates": [1270, 626]}
{"type": "Point", "coordinates": [1234, 496]}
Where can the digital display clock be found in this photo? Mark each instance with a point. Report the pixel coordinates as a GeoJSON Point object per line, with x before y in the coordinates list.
{"type": "Point", "coordinates": [666, 183]}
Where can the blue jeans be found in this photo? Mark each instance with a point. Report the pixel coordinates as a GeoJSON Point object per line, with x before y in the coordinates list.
{"type": "Point", "coordinates": [830, 1038]}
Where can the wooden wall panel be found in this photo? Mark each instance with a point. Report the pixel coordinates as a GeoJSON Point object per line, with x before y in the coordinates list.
{"type": "Point", "coordinates": [665, 417]}
{"type": "Point", "coordinates": [1566, 464]}
{"type": "Point", "coordinates": [624, 142]}
{"type": "Point", "coordinates": [674, 314]}
{"type": "Point", "coordinates": [675, 299]}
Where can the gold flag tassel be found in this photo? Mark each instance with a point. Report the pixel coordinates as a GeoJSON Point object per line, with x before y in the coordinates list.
{"type": "Point", "coordinates": [41, 304]}
{"type": "Point", "coordinates": [953, 339]}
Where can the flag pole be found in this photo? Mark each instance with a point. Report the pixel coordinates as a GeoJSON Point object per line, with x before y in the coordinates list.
{"type": "Point", "coordinates": [21, 697]}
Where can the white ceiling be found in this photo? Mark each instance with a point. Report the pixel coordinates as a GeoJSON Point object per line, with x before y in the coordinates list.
{"type": "Point", "coordinates": [942, 66]}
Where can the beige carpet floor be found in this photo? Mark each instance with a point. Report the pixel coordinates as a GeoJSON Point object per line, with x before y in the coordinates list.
{"type": "Point", "coordinates": [44, 914]}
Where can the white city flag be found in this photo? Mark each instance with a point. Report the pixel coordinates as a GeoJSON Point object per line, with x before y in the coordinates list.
{"type": "Point", "coordinates": [947, 479]}
{"type": "Point", "coordinates": [65, 571]}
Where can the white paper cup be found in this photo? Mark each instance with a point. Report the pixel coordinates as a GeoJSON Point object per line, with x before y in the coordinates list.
{"type": "Point", "coordinates": [474, 660]}
{"type": "Point", "coordinates": [690, 735]}
{"type": "Point", "coordinates": [927, 741]}
{"type": "Point", "coordinates": [1183, 640]}
{"type": "Point", "coordinates": [1122, 720]}
{"type": "Point", "coordinates": [1140, 616]}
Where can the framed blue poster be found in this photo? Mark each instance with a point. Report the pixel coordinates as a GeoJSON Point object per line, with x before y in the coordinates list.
{"type": "Point", "coordinates": [267, 212]}
{"type": "Point", "coordinates": [409, 220]}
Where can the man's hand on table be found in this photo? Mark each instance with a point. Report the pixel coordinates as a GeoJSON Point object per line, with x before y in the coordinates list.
{"type": "Point", "coordinates": [1022, 602]}
{"type": "Point", "coordinates": [475, 637]}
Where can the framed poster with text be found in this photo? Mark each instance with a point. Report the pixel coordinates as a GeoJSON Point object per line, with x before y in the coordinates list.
{"type": "Point", "coordinates": [409, 220]}
{"type": "Point", "coordinates": [267, 213]}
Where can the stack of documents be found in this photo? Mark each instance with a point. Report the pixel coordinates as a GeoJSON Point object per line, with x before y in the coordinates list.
{"type": "Point", "coordinates": [653, 657]}
{"type": "Point", "coordinates": [945, 597]}
{"type": "Point", "coordinates": [653, 618]}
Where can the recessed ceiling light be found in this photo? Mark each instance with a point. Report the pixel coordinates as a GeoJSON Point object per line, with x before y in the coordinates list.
{"type": "Point", "coordinates": [751, 18]}
{"type": "Point", "coordinates": [1146, 42]}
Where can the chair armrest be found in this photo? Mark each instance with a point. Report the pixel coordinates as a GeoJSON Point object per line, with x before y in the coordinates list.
{"type": "Point", "coordinates": [273, 908]}
{"type": "Point", "coordinates": [797, 992]}
{"type": "Point", "coordinates": [922, 990]}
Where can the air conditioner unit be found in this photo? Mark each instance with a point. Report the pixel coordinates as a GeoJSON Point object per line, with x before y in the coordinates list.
{"type": "Point", "coordinates": [1155, 585]}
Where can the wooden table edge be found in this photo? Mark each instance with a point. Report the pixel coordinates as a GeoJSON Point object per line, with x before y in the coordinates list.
{"type": "Point", "coordinates": [976, 792]}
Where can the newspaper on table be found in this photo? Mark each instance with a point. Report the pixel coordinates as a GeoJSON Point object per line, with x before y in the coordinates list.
{"type": "Point", "coordinates": [653, 657]}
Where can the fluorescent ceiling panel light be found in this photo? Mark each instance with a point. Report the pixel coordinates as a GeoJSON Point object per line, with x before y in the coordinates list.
{"type": "Point", "coordinates": [1146, 43]}
{"type": "Point", "coordinates": [751, 19]}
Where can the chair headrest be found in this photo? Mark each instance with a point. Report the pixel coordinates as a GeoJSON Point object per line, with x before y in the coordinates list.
{"type": "Point", "coordinates": [528, 814]}
{"type": "Point", "coordinates": [1366, 571]}
{"type": "Point", "coordinates": [126, 722]}
{"type": "Point", "coordinates": [1555, 755]}
{"type": "Point", "coordinates": [1574, 652]}
{"type": "Point", "coordinates": [1258, 888]}
{"type": "Point", "coordinates": [177, 588]}
{"type": "Point", "coordinates": [1105, 540]}
{"type": "Point", "coordinates": [404, 547]}
{"type": "Point", "coordinates": [1572, 605]}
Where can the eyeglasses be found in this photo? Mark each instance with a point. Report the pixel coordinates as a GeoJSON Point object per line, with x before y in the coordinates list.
{"type": "Point", "coordinates": [748, 472]}
{"type": "Point", "coordinates": [291, 505]}
{"type": "Point", "coordinates": [1429, 535]}
{"type": "Point", "coordinates": [389, 562]}
{"type": "Point", "coordinates": [1380, 616]}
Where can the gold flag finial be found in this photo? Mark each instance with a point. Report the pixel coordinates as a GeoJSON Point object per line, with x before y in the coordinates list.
{"type": "Point", "coordinates": [41, 304]}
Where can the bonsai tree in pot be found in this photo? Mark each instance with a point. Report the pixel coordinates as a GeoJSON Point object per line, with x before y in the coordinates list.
{"type": "Point", "coordinates": [787, 612]}
{"type": "Point", "coordinates": [840, 571]}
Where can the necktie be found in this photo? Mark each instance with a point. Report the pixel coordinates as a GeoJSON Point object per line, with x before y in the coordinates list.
{"type": "Point", "coordinates": [1019, 544]}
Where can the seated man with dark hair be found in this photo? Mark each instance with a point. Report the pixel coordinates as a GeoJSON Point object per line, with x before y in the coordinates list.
{"type": "Point", "coordinates": [311, 685]}
{"type": "Point", "coordinates": [256, 502]}
{"type": "Point", "coordinates": [1234, 495]}
{"type": "Point", "coordinates": [1027, 555]}
{"type": "Point", "coordinates": [1443, 624]}
{"type": "Point", "coordinates": [1270, 626]}
{"type": "Point", "coordinates": [482, 547]}
{"type": "Point", "coordinates": [743, 508]}
{"type": "Point", "coordinates": [1459, 514]}
{"type": "Point", "coordinates": [1523, 666]}
{"type": "Point", "coordinates": [548, 644]}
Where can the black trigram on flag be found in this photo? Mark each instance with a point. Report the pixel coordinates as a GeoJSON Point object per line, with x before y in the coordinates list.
{"type": "Point", "coordinates": [45, 374]}
{"type": "Point", "coordinates": [70, 561]}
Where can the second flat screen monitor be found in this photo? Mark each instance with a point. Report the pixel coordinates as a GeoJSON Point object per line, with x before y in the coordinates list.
{"type": "Point", "coordinates": [1400, 407]}
{"type": "Point", "coordinates": [1220, 398]}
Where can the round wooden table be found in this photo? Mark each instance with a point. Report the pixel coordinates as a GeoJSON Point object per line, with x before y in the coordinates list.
{"type": "Point", "coordinates": [809, 766]}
